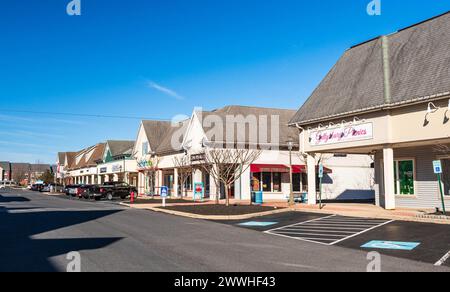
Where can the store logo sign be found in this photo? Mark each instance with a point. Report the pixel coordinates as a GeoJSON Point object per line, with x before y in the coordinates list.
{"type": "Point", "coordinates": [344, 134]}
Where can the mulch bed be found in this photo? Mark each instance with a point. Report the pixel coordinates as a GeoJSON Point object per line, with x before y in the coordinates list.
{"type": "Point", "coordinates": [220, 210]}
{"type": "Point", "coordinates": [159, 201]}
{"type": "Point", "coordinates": [441, 214]}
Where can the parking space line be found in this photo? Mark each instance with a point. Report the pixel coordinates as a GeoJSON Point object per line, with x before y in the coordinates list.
{"type": "Point", "coordinates": [317, 230]}
{"type": "Point", "coordinates": [328, 227]}
{"type": "Point", "coordinates": [344, 225]}
{"type": "Point", "coordinates": [362, 232]}
{"type": "Point", "coordinates": [328, 230]}
{"type": "Point", "coordinates": [298, 224]}
{"type": "Point", "coordinates": [313, 234]}
{"type": "Point", "coordinates": [443, 260]}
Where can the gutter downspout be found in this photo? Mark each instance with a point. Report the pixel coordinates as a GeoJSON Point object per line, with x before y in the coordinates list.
{"type": "Point", "coordinates": [386, 70]}
{"type": "Point", "coordinates": [387, 82]}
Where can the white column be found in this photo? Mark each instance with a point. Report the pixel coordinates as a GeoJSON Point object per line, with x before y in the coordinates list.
{"type": "Point", "coordinates": [176, 193]}
{"type": "Point", "coordinates": [312, 194]}
{"type": "Point", "coordinates": [116, 177]}
{"type": "Point", "coordinates": [244, 184]}
{"type": "Point", "coordinates": [159, 181]}
{"type": "Point", "coordinates": [389, 181]}
{"type": "Point", "coordinates": [213, 189]}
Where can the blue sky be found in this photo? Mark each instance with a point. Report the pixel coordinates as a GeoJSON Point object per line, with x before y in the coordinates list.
{"type": "Point", "coordinates": [158, 59]}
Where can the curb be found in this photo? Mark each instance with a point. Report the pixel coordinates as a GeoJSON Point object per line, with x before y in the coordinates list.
{"type": "Point", "coordinates": [210, 217]}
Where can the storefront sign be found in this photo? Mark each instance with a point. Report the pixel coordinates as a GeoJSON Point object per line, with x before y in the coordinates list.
{"type": "Point", "coordinates": [103, 170]}
{"type": "Point", "coordinates": [117, 168]}
{"type": "Point", "coordinates": [349, 133]}
{"type": "Point", "coordinates": [145, 164]}
{"type": "Point", "coordinates": [198, 157]}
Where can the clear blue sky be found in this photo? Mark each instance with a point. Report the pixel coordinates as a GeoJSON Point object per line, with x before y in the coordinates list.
{"type": "Point", "coordinates": [158, 59]}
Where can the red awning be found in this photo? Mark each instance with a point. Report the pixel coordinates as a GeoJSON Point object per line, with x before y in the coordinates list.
{"type": "Point", "coordinates": [255, 168]}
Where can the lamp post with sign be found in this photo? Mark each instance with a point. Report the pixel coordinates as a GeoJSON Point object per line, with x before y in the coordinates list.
{"type": "Point", "coordinates": [290, 144]}
{"type": "Point", "coordinates": [320, 184]}
{"type": "Point", "coordinates": [437, 166]}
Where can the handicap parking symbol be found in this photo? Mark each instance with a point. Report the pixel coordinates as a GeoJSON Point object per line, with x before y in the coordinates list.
{"type": "Point", "coordinates": [393, 245]}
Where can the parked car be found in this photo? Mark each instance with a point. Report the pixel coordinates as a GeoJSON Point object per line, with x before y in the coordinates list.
{"type": "Point", "coordinates": [37, 187]}
{"type": "Point", "coordinates": [111, 190]}
{"type": "Point", "coordinates": [89, 191]}
{"type": "Point", "coordinates": [73, 190]}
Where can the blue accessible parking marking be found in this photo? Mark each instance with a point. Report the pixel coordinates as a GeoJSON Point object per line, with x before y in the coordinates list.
{"type": "Point", "coordinates": [394, 245]}
{"type": "Point", "coordinates": [257, 224]}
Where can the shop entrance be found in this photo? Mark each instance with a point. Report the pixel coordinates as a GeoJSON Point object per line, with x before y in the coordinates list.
{"type": "Point", "coordinates": [169, 182]}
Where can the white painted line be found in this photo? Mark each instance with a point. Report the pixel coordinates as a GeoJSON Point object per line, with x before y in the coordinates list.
{"type": "Point", "coordinates": [338, 225]}
{"type": "Point", "coordinates": [313, 234]}
{"type": "Point", "coordinates": [297, 238]}
{"type": "Point", "coordinates": [362, 232]}
{"type": "Point", "coordinates": [443, 260]}
{"type": "Point", "coordinates": [354, 222]}
{"type": "Point", "coordinates": [298, 224]}
{"type": "Point", "coordinates": [316, 230]}
{"type": "Point", "coordinates": [328, 228]}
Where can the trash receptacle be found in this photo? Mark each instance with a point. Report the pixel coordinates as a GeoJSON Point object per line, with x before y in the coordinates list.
{"type": "Point", "coordinates": [259, 198]}
{"type": "Point", "coordinates": [253, 197]}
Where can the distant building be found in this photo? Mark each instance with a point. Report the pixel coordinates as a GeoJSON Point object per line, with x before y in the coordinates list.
{"type": "Point", "coordinates": [5, 170]}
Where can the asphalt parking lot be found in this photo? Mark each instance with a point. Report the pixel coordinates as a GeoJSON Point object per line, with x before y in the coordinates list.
{"type": "Point", "coordinates": [428, 243]}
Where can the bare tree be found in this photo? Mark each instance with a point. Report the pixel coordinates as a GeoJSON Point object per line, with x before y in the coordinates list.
{"type": "Point", "coordinates": [19, 176]}
{"type": "Point", "coordinates": [226, 166]}
{"type": "Point", "coordinates": [185, 169]}
{"type": "Point", "coordinates": [151, 169]}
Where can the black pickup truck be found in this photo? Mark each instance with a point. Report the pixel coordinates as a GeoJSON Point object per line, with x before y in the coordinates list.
{"type": "Point", "coordinates": [112, 190]}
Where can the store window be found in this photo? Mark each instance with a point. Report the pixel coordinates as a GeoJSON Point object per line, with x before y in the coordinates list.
{"type": "Point", "coordinates": [267, 182]}
{"type": "Point", "coordinates": [404, 173]}
{"type": "Point", "coordinates": [300, 182]}
{"type": "Point", "coordinates": [276, 177]}
{"type": "Point", "coordinates": [145, 148]}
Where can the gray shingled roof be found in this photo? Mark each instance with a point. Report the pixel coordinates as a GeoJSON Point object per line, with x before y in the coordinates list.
{"type": "Point", "coordinates": [284, 116]}
{"type": "Point", "coordinates": [172, 139]}
{"type": "Point", "coordinates": [156, 131]}
{"type": "Point", "coordinates": [419, 67]}
{"type": "Point", "coordinates": [119, 148]}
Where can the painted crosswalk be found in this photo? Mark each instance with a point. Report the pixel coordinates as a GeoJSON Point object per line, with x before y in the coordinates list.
{"type": "Point", "coordinates": [328, 230]}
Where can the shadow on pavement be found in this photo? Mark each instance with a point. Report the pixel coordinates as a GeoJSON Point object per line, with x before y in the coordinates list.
{"type": "Point", "coordinates": [20, 252]}
{"type": "Point", "coordinates": [14, 199]}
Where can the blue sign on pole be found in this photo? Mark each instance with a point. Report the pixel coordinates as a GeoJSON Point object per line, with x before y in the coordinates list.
{"type": "Point", "coordinates": [164, 192]}
{"type": "Point", "coordinates": [437, 166]}
{"type": "Point", "coordinates": [394, 245]}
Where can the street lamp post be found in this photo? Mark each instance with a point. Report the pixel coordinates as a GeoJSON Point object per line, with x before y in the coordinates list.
{"type": "Point", "coordinates": [291, 194]}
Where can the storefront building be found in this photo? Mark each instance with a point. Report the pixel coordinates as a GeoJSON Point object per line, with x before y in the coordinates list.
{"type": "Point", "coordinates": [171, 155]}
{"type": "Point", "coordinates": [117, 163]}
{"type": "Point", "coordinates": [388, 98]}
{"type": "Point", "coordinates": [81, 167]}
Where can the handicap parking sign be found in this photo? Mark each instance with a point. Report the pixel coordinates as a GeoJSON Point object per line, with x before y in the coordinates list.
{"type": "Point", "coordinates": [437, 166]}
{"type": "Point", "coordinates": [164, 192]}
